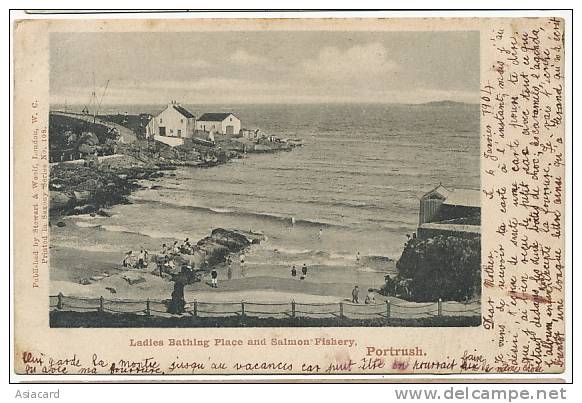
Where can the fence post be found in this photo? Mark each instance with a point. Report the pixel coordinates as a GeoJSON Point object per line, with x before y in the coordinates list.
{"type": "Point", "coordinates": [440, 307]}
{"type": "Point", "coordinates": [341, 306]}
{"type": "Point", "coordinates": [60, 301]}
{"type": "Point", "coordinates": [388, 308]}
{"type": "Point", "coordinates": [195, 308]}
{"type": "Point", "coordinates": [101, 303]}
{"type": "Point", "coordinates": [293, 308]}
{"type": "Point", "coordinates": [242, 307]}
{"type": "Point", "coordinates": [148, 313]}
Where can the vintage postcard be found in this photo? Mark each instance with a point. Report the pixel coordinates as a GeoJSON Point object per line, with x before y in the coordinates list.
{"type": "Point", "coordinates": [356, 196]}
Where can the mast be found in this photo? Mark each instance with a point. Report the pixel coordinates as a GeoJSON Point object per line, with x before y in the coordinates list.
{"type": "Point", "coordinates": [94, 105]}
{"type": "Point", "coordinates": [102, 96]}
{"type": "Point", "coordinates": [94, 100]}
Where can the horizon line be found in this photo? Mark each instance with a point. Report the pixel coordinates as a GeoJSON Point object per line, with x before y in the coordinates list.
{"type": "Point", "coordinates": [274, 103]}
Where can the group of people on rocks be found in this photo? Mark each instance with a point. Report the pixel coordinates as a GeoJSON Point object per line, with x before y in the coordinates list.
{"type": "Point", "coordinates": [167, 262]}
{"type": "Point", "coordinates": [142, 259]}
{"type": "Point", "coordinates": [185, 248]}
{"type": "Point", "coordinates": [399, 287]}
{"type": "Point", "coordinates": [139, 261]}
{"type": "Point", "coordinates": [166, 257]}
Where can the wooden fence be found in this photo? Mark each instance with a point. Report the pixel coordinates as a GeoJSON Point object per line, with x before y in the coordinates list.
{"type": "Point", "coordinates": [292, 309]}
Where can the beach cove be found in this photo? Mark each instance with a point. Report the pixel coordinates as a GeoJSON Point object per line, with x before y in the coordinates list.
{"type": "Point", "coordinates": [352, 188]}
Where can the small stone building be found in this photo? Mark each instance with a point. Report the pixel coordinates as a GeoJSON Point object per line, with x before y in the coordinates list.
{"type": "Point", "coordinates": [221, 123]}
{"type": "Point", "coordinates": [172, 125]}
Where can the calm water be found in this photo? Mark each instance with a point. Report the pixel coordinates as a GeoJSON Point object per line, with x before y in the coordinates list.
{"type": "Point", "coordinates": [358, 179]}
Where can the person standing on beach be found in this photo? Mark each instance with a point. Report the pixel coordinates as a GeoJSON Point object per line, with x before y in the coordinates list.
{"type": "Point", "coordinates": [242, 265]}
{"type": "Point", "coordinates": [214, 275]}
{"type": "Point", "coordinates": [320, 234]}
{"type": "Point", "coordinates": [303, 271]}
{"type": "Point", "coordinates": [163, 264]}
{"type": "Point", "coordinates": [175, 247]}
{"type": "Point", "coordinates": [228, 268]}
{"type": "Point", "coordinates": [355, 294]}
{"type": "Point", "coordinates": [140, 260]}
{"type": "Point", "coordinates": [358, 257]}
{"type": "Point", "coordinates": [293, 272]}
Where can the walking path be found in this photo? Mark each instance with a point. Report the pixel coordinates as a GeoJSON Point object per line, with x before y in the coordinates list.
{"type": "Point", "coordinates": [258, 296]}
{"type": "Point", "coordinates": [125, 135]}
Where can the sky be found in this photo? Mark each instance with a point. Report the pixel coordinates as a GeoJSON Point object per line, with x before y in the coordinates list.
{"type": "Point", "coordinates": [251, 67]}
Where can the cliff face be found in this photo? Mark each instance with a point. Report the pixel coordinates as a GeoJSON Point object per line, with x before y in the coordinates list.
{"type": "Point", "coordinates": [446, 267]}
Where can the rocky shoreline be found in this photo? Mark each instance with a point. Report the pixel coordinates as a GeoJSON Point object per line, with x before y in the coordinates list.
{"type": "Point", "coordinates": [207, 253]}
{"type": "Point", "coordinates": [92, 185]}
{"type": "Point", "coordinates": [80, 189]}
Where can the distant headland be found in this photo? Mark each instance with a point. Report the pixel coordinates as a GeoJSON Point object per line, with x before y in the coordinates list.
{"type": "Point", "coordinates": [447, 103]}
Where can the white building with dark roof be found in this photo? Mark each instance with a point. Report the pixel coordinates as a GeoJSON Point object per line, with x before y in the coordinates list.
{"type": "Point", "coordinates": [222, 123]}
{"type": "Point", "coordinates": [172, 125]}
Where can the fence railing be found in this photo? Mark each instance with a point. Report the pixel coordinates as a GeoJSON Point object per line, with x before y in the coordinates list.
{"type": "Point", "coordinates": [292, 309]}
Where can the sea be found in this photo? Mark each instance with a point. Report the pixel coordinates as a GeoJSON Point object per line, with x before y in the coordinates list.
{"type": "Point", "coordinates": [352, 189]}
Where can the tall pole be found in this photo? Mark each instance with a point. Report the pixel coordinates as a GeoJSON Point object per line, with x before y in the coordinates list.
{"type": "Point", "coordinates": [94, 100]}
{"type": "Point", "coordinates": [102, 96]}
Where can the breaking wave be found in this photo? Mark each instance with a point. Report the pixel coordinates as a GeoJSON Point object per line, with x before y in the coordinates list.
{"type": "Point", "coordinates": [240, 213]}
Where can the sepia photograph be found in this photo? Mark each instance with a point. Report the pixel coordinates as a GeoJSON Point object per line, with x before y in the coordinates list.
{"type": "Point", "coordinates": [264, 179]}
{"type": "Point", "coordinates": [211, 197]}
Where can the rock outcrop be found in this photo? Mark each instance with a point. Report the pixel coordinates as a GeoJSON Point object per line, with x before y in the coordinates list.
{"type": "Point", "coordinates": [210, 251]}
{"type": "Point", "coordinates": [79, 189]}
{"type": "Point", "coordinates": [446, 267]}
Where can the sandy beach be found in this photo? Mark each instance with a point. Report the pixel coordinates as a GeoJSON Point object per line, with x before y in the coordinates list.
{"type": "Point", "coordinates": [257, 280]}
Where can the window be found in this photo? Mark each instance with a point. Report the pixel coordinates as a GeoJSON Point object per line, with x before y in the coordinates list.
{"type": "Point", "coordinates": [179, 133]}
{"type": "Point", "coordinates": [181, 120]}
{"type": "Point", "coordinates": [161, 120]}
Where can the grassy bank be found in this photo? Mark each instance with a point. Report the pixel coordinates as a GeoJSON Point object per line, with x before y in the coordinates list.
{"type": "Point", "coordinates": [104, 319]}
